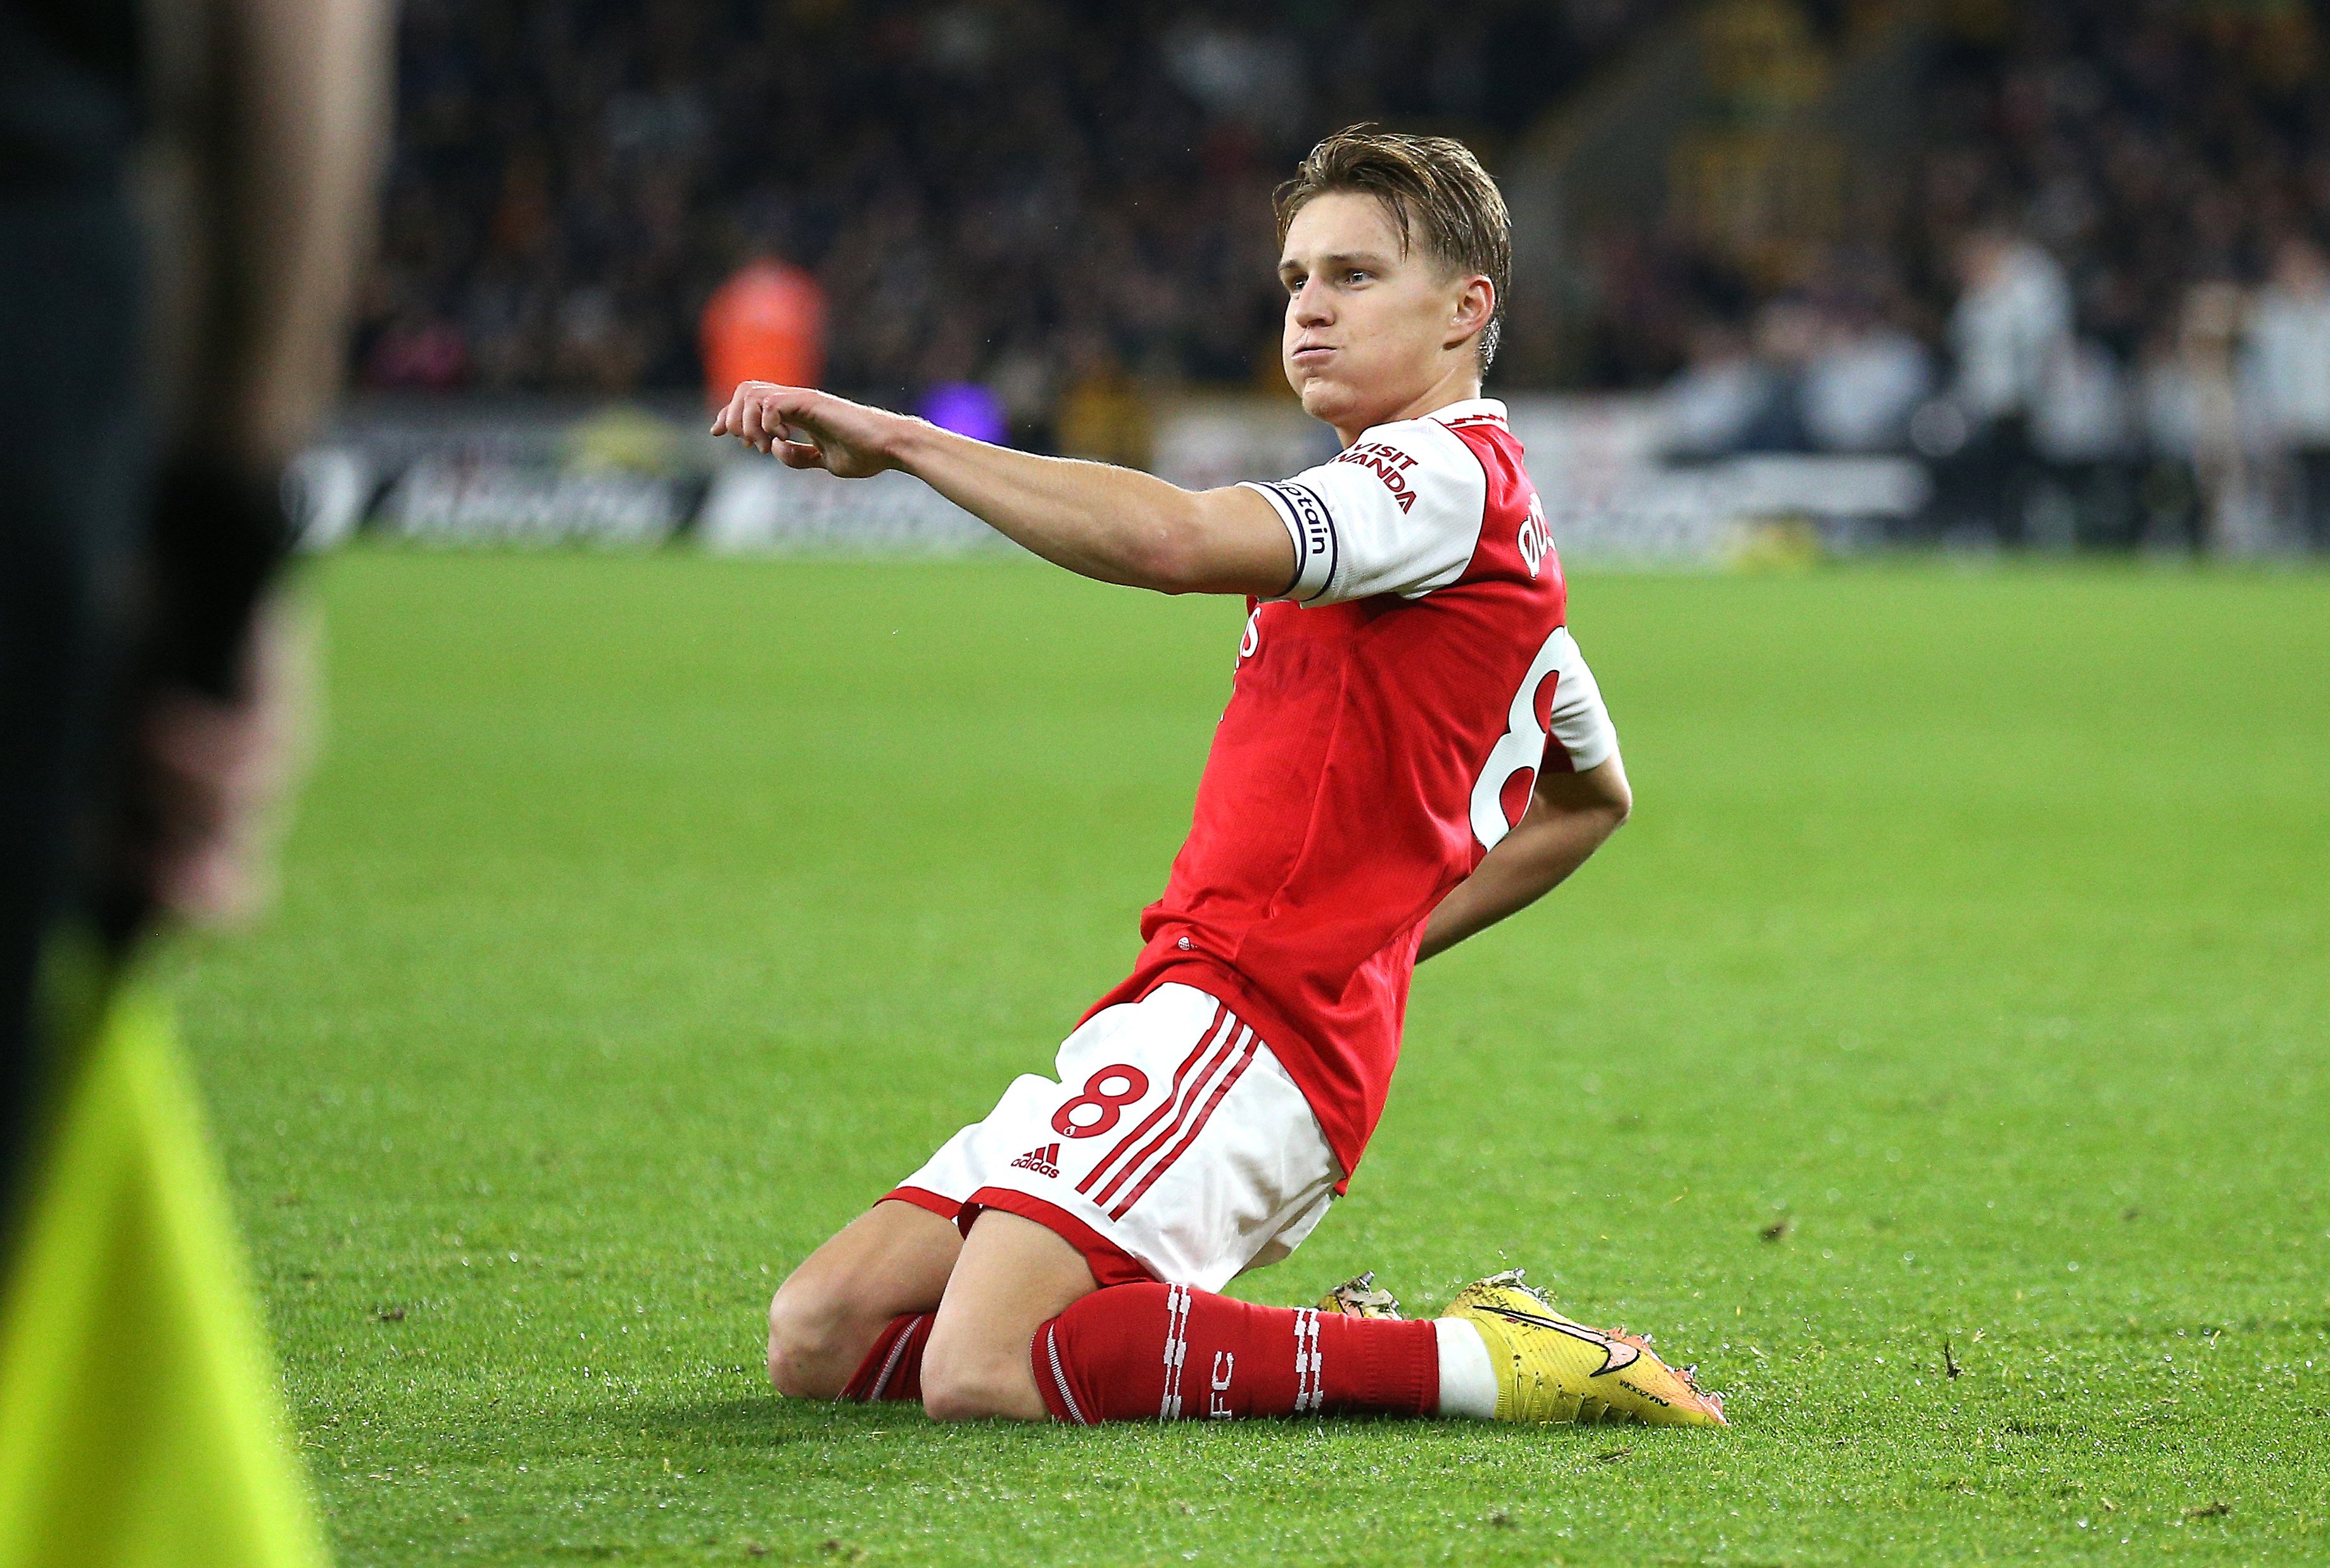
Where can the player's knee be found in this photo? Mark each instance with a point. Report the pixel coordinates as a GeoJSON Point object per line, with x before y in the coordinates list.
{"type": "Point", "coordinates": [806, 1348]}
{"type": "Point", "coordinates": [963, 1383]}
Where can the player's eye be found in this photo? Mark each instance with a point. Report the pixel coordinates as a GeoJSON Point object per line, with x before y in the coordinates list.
{"type": "Point", "coordinates": [1355, 276]}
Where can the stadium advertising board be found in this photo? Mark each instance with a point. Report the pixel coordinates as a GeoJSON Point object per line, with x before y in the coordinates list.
{"type": "Point", "coordinates": [634, 477]}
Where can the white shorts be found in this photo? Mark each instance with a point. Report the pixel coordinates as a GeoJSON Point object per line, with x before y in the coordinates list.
{"type": "Point", "coordinates": [1173, 1147]}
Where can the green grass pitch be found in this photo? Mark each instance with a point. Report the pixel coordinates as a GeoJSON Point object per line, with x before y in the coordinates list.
{"type": "Point", "coordinates": [1964, 979]}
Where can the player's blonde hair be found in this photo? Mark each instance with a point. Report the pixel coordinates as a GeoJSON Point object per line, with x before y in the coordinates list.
{"type": "Point", "coordinates": [1432, 184]}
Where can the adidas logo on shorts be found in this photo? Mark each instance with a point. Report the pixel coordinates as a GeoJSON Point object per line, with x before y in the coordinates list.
{"type": "Point", "coordinates": [1044, 1161]}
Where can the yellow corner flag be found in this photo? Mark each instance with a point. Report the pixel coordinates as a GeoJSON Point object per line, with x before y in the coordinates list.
{"type": "Point", "coordinates": [140, 1420]}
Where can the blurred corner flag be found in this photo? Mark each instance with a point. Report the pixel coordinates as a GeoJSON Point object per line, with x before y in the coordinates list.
{"type": "Point", "coordinates": [140, 1420]}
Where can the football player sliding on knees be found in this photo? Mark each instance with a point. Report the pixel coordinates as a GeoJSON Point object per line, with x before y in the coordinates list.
{"type": "Point", "coordinates": [1414, 749]}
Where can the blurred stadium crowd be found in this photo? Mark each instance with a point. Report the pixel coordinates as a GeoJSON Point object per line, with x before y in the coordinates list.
{"type": "Point", "coordinates": [2100, 305]}
{"type": "Point", "coordinates": [2092, 295]}
{"type": "Point", "coordinates": [1027, 193]}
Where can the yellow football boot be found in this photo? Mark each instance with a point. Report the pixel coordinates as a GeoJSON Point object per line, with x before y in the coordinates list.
{"type": "Point", "coordinates": [1358, 1296]}
{"type": "Point", "coordinates": [1550, 1369]}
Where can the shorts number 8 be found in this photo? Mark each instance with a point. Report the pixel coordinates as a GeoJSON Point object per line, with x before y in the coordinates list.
{"type": "Point", "coordinates": [1099, 1093]}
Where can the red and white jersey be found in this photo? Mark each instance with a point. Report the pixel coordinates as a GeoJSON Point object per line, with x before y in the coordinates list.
{"type": "Point", "coordinates": [1389, 716]}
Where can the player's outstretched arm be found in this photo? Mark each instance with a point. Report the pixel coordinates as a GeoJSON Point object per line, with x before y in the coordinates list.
{"type": "Point", "coordinates": [1569, 817]}
{"type": "Point", "coordinates": [1116, 524]}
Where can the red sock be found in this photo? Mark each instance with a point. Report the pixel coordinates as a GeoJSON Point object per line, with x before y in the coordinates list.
{"type": "Point", "coordinates": [892, 1369]}
{"type": "Point", "coordinates": [1146, 1352]}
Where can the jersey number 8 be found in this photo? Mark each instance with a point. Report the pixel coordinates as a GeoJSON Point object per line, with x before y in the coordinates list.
{"type": "Point", "coordinates": [1520, 751]}
{"type": "Point", "coordinates": [1108, 1091]}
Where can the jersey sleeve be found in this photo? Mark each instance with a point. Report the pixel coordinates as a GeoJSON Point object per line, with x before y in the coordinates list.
{"type": "Point", "coordinates": [1399, 512]}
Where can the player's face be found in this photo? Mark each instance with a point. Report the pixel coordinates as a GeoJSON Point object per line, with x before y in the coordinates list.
{"type": "Point", "coordinates": [1369, 330]}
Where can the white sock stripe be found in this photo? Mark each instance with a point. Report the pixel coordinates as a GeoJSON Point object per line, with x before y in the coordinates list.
{"type": "Point", "coordinates": [1308, 1393]}
{"type": "Point", "coordinates": [889, 1365]}
{"type": "Point", "coordinates": [1302, 1379]}
{"type": "Point", "coordinates": [1181, 1350]}
{"type": "Point", "coordinates": [1176, 1350]}
{"type": "Point", "coordinates": [1060, 1376]}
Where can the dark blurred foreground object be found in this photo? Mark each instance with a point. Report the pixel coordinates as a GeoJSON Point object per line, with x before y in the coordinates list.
{"type": "Point", "coordinates": [184, 190]}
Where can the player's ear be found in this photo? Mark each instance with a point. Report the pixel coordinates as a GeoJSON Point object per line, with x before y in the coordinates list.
{"type": "Point", "coordinates": [1476, 302]}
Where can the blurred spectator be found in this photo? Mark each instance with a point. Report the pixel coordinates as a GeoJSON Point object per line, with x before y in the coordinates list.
{"type": "Point", "coordinates": [2081, 414]}
{"type": "Point", "coordinates": [1864, 379]}
{"type": "Point", "coordinates": [2082, 432]}
{"type": "Point", "coordinates": [2194, 414]}
{"type": "Point", "coordinates": [2286, 376]}
{"type": "Point", "coordinates": [1709, 407]}
{"type": "Point", "coordinates": [767, 323]}
{"type": "Point", "coordinates": [2011, 326]}
{"type": "Point", "coordinates": [1821, 376]}
{"type": "Point", "coordinates": [2168, 418]}
{"type": "Point", "coordinates": [1787, 334]}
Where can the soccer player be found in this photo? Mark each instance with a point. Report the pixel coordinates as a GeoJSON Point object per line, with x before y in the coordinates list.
{"type": "Point", "coordinates": [1414, 750]}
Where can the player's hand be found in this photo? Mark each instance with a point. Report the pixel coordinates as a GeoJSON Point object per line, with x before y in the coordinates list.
{"type": "Point", "coordinates": [215, 779]}
{"type": "Point", "coordinates": [806, 429]}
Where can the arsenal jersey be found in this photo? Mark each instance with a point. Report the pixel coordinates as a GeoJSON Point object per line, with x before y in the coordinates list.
{"type": "Point", "coordinates": [1390, 712]}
